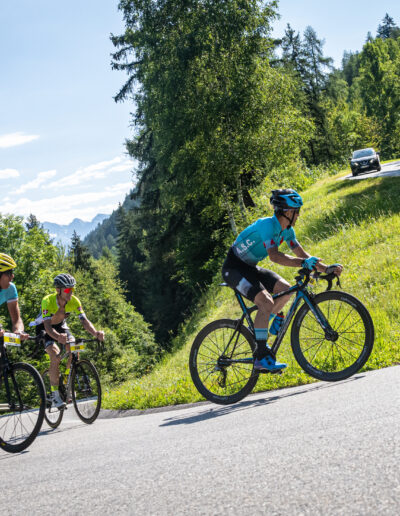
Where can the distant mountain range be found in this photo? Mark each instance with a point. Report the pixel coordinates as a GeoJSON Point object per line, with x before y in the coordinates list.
{"type": "Point", "coordinates": [63, 234]}
{"type": "Point", "coordinates": [106, 233]}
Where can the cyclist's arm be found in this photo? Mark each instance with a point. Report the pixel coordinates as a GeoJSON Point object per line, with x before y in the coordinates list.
{"type": "Point", "coordinates": [17, 323]}
{"type": "Point", "coordinates": [299, 251]}
{"type": "Point", "coordinates": [91, 329]}
{"type": "Point", "coordinates": [51, 332]}
{"type": "Point", "coordinates": [59, 316]}
{"type": "Point", "coordinates": [284, 259]}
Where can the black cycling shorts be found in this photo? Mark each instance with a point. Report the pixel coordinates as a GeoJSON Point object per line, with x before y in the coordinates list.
{"type": "Point", "coordinates": [247, 279]}
{"type": "Point", "coordinates": [60, 328]}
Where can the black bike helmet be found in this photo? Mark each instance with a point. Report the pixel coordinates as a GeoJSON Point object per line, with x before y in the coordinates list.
{"type": "Point", "coordinates": [64, 281]}
{"type": "Point", "coordinates": [285, 199]}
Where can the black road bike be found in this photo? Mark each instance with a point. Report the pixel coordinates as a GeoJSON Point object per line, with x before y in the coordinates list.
{"type": "Point", "coordinates": [22, 399]}
{"type": "Point", "coordinates": [81, 387]}
{"type": "Point", "coordinates": [332, 337]}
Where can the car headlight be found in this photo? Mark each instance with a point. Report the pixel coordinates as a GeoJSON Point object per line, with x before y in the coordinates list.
{"type": "Point", "coordinates": [372, 160]}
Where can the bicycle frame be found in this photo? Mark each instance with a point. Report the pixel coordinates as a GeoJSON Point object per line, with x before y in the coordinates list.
{"type": "Point", "coordinates": [302, 294]}
{"type": "Point", "coordinates": [75, 358]}
{"type": "Point", "coordinates": [6, 372]}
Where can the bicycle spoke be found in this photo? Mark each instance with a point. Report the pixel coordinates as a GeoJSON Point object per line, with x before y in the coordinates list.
{"type": "Point", "coordinates": [315, 354]}
{"type": "Point", "coordinates": [346, 351]}
{"type": "Point", "coordinates": [352, 342]}
{"type": "Point", "coordinates": [343, 320]}
{"type": "Point", "coordinates": [315, 344]}
{"type": "Point", "coordinates": [314, 331]}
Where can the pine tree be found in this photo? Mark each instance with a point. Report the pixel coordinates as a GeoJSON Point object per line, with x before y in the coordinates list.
{"type": "Point", "coordinates": [388, 29]}
{"type": "Point", "coordinates": [32, 222]}
{"type": "Point", "coordinates": [79, 253]}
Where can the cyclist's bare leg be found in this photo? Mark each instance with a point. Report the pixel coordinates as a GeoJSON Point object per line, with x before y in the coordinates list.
{"type": "Point", "coordinates": [280, 286]}
{"type": "Point", "coordinates": [69, 361]}
{"type": "Point", "coordinates": [54, 353]}
{"type": "Point", "coordinates": [265, 305]}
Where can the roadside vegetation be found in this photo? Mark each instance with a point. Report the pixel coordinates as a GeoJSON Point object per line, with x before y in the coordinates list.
{"type": "Point", "coordinates": [356, 223]}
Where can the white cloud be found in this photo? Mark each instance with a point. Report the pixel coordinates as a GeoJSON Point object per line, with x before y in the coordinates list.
{"type": "Point", "coordinates": [13, 139]}
{"type": "Point", "coordinates": [96, 171]}
{"type": "Point", "coordinates": [123, 167]}
{"type": "Point", "coordinates": [63, 208]}
{"type": "Point", "coordinates": [7, 173]}
{"type": "Point", "coordinates": [41, 178]}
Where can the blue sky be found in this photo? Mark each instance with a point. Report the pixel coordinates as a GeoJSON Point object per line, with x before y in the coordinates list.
{"type": "Point", "coordinates": [62, 135]}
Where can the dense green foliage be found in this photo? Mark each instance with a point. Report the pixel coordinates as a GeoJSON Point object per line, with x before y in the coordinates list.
{"type": "Point", "coordinates": [130, 349]}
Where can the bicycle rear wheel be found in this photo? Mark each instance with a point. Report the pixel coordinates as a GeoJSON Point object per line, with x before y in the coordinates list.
{"type": "Point", "coordinates": [221, 375]}
{"type": "Point", "coordinates": [53, 416]}
{"type": "Point", "coordinates": [86, 391]}
{"type": "Point", "coordinates": [22, 410]}
{"type": "Point", "coordinates": [341, 357]}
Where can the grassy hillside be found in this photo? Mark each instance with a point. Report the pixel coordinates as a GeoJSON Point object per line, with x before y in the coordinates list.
{"type": "Point", "coordinates": [356, 223]}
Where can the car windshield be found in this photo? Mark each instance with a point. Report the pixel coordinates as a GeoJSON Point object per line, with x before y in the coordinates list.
{"type": "Point", "coordinates": [363, 153]}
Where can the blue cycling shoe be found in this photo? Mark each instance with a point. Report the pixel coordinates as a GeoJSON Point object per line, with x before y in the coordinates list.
{"type": "Point", "coordinates": [268, 365]}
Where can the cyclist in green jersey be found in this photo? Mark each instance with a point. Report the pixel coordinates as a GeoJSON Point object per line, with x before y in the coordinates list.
{"type": "Point", "coordinates": [9, 294]}
{"type": "Point", "coordinates": [56, 308]}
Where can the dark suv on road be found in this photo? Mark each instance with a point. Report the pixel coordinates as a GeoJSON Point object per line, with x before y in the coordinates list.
{"type": "Point", "coordinates": [364, 160]}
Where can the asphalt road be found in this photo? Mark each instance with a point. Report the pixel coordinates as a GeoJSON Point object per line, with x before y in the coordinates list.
{"type": "Point", "coordinates": [324, 449]}
{"type": "Point", "coordinates": [387, 170]}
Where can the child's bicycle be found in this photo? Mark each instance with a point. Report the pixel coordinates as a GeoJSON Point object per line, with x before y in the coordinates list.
{"type": "Point", "coordinates": [22, 399]}
{"type": "Point", "coordinates": [81, 387]}
{"type": "Point", "coordinates": [332, 336]}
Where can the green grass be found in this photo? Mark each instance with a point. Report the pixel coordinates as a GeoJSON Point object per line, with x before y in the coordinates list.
{"type": "Point", "coordinates": [356, 223]}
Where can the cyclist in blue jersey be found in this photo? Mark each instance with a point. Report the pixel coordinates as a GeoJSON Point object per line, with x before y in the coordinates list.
{"type": "Point", "coordinates": [240, 270]}
{"type": "Point", "coordinates": [9, 294]}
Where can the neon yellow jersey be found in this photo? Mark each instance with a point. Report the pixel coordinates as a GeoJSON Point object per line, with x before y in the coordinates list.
{"type": "Point", "coordinates": [50, 307]}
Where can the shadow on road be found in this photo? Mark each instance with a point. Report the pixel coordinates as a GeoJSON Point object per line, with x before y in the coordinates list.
{"type": "Point", "coordinates": [219, 410]}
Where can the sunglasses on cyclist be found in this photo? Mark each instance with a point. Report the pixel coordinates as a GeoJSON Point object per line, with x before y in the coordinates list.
{"type": "Point", "coordinates": [68, 290]}
{"type": "Point", "coordinates": [9, 273]}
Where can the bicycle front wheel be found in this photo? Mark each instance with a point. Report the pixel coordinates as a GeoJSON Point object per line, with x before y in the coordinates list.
{"type": "Point", "coordinates": [223, 373]}
{"type": "Point", "coordinates": [52, 415]}
{"type": "Point", "coordinates": [343, 355]}
{"type": "Point", "coordinates": [21, 407]}
{"type": "Point", "coordinates": [86, 391]}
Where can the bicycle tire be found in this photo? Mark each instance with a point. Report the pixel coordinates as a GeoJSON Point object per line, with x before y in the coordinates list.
{"type": "Point", "coordinates": [86, 391]}
{"type": "Point", "coordinates": [53, 416]}
{"type": "Point", "coordinates": [20, 425]}
{"type": "Point", "coordinates": [212, 384]}
{"type": "Point", "coordinates": [353, 324]}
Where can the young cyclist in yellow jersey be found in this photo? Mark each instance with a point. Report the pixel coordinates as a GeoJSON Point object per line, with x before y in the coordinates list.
{"type": "Point", "coordinates": [56, 308]}
{"type": "Point", "coordinates": [9, 294]}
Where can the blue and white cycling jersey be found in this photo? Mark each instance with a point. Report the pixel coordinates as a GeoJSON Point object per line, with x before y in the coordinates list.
{"type": "Point", "coordinates": [9, 294]}
{"type": "Point", "coordinates": [253, 243]}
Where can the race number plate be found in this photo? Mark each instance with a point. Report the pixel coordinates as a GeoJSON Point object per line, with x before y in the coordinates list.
{"type": "Point", "coordinates": [11, 339]}
{"type": "Point", "coordinates": [77, 346]}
